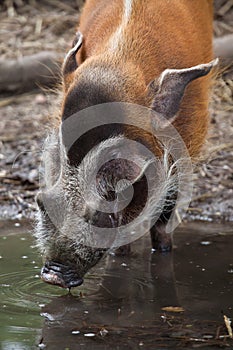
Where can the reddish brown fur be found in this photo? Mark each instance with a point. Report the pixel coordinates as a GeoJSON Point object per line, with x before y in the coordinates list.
{"type": "Point", "coordinates": [160, 34]}
{"type": "Point", "coordinates": [117, 63]}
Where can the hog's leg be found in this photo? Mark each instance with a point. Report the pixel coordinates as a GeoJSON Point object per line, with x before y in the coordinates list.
{"type": "Point", "coordinates": [160, 240]}
{"type": "Point", "coordinates": [123, 250]}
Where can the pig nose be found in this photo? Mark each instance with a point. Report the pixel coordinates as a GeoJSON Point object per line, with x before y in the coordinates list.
{"type": "Point", "coordinates": [61, 275]}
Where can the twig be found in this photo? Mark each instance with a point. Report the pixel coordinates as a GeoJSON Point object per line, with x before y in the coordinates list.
{"type": "Point", "coordinates": [223, 46]}
{"type": "Point", "coordinates": [225, 8]}
{"type": "Point", "coordinates": [28, 72]}
{"type": "Point", "coordinates": [203, 196]}
{"type": "Point", "coordinates": [228, 326]}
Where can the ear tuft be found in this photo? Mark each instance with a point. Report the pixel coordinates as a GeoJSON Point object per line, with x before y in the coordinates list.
{"type": "Point", "coordinates": [70, 64]}
{"type": "Point", "coordinates": [170, 87]}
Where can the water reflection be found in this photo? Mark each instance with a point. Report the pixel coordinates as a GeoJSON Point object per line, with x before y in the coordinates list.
{"type": "Point", "coordinates": [128, 301]}
{"type": "Point", "coordinates": [125, 307]}
{"type": "Point", "coordinates": [121, 301]}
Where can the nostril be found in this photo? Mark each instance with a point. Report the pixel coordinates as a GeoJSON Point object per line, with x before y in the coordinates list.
{"type": "Point", "coordinates": [45, 269]}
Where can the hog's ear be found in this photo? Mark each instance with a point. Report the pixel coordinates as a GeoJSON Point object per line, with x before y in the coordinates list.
{"type": "Point", "coordinates": [70, 64]}
{"type": "Point", "coordinates": [169, 88]}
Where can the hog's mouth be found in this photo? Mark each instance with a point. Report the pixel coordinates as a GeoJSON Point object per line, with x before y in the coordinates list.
{"type": "Point", "coordinates": [61, 275]}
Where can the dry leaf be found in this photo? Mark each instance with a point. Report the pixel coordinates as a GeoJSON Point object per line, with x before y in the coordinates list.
{"type": "Point", "coordinates": [173, 309]}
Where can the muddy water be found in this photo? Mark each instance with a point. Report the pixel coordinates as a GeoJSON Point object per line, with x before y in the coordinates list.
{"type": "Point", "coordinates": [120, 305]}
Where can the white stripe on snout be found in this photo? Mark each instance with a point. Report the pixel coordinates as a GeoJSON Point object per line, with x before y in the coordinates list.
{"type": "Point", "coordinates": [117, 36]}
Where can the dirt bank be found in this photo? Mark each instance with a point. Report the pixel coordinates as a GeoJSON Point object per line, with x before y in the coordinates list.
{"type": "Point", "coordinates": [28, 27]}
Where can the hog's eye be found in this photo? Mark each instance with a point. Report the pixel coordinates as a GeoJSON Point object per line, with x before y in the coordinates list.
{"type": "Point", "coordinates": [97, 253]}
{"type": "Point", "coordinates": [114, 154]}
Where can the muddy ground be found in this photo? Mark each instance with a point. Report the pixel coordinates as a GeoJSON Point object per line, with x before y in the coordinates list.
{"type": "Point", "coordinates": [28, 27]}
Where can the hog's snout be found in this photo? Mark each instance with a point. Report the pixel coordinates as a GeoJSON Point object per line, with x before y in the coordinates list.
{"type": "Point", "coordinates": [60, 275]}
